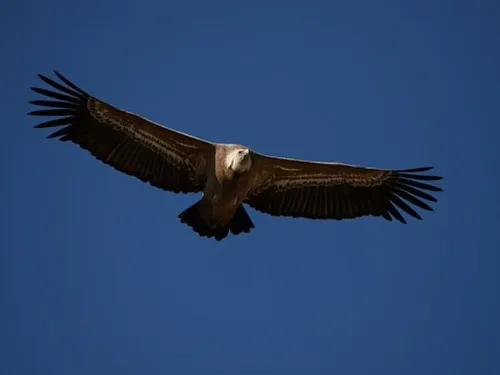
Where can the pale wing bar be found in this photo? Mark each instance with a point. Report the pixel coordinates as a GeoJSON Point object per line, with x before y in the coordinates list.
{"type": "Point", "coordinates": [110, 139]}
{"type": "Point", "coordinates": [337, 197]}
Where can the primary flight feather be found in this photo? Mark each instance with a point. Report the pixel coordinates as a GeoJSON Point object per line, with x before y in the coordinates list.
{"type": "Point", "coordinates": [228, 175]}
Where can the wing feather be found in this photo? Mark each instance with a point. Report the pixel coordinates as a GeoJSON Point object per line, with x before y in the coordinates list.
{"type": "Point", "coordinates": [134, 145]}
{"type": "Point", "coordinates": [319, 190]}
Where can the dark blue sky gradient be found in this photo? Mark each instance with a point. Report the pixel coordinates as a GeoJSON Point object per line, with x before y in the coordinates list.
{"type": "Point", "coordinates": [99, 277]}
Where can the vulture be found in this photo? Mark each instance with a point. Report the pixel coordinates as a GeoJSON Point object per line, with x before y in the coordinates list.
{"type": "Point", "coordinates": [227, 175]}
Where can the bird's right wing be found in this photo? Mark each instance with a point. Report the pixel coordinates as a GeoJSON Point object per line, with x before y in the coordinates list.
{"type": "Point", "coordinates": [165, 158]}
{"type": "Point", "coordinates": [320, 190]}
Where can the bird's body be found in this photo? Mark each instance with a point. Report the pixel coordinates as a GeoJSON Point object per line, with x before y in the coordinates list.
{"type": "Point", "coordinates": [228, 175]}
{"type": "Point", "coordinates": [228, 182]}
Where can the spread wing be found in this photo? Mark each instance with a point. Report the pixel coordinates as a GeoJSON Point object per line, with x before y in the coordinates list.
{"type": "Point", "coordinates": [315, 190]}
{"type": "Point", "coordinates": [165, 158]}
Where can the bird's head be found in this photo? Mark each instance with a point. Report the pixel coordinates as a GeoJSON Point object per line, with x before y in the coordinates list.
{"type": "Point", "coordinates": [239, 160]}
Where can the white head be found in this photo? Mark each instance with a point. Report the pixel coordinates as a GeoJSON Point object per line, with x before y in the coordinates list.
{"type": "Point", "coordinates": [239, 160]}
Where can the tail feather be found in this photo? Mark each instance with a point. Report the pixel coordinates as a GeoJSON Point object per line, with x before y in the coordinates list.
{"type": "Point", "coordinates": [240, 223]}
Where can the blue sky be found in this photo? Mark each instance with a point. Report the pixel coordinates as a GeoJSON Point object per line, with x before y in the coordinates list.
{"type": "Point", "coordinates": [98, 275]}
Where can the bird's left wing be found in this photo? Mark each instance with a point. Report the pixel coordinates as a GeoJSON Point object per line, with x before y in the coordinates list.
{"type": "Point", "coordinates": [320, 190]}
{"type": "Point", "coordinates": [134, 145]}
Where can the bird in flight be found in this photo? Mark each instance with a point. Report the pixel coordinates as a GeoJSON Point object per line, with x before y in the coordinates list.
{"type": "Point", "coordinates": [227, 175]}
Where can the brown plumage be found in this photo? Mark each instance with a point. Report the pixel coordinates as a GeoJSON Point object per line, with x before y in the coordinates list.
{"type": "Point", "coordinates": [228, 175]}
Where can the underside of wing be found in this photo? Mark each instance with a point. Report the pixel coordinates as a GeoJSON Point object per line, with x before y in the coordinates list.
{"type": "Point", "coordinates": [165, 158]}
{"type": "Point", "coordinates": [341, 191]}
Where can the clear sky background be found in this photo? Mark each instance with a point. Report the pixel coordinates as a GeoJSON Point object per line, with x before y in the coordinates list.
{"type": "Point", "coordinates": [98, 276]}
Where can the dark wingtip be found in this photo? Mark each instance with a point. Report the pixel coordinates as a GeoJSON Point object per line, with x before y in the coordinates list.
{"type": "Point", "coordinates": [41, 76]}
{"type": "Point", "coordinates": [59, 75]}
{"type": "Point", "coordinates": [419, 169]}
{"type": "Point", "coordinates": [414, 173]}
{"type": "Point", "coordinates": [433, 177]}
